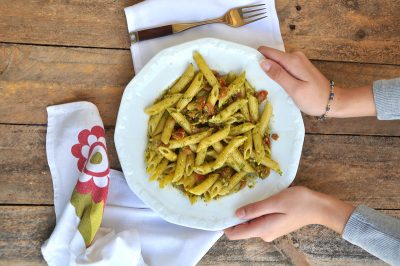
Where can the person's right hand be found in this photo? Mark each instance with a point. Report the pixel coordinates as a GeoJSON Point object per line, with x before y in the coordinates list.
{"type": "Point", "coordinates": [306, 85]}
{"type": "Point", "coordinates": [287, 211]}
{"type": "Point", "coordinates": [309, 88]}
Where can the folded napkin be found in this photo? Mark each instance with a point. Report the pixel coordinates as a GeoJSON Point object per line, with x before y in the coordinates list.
{"type": "Point", "coordinates": [154, 13]}
{"type": "Point", "coordinates": [127, 232]}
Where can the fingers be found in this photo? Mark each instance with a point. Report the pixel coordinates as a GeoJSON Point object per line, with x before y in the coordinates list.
{"type": "Point", "coordinates": [250, 229]}
{"type": "Point", "coordinates": [278, 215]}
{"type": "Point", "coordinates": [296, 63]}
{"type": "Point", "coordinates": [266, 227]}
{"type": "Point", "coordinates": [277, 73]}
{"type": "Point", "coordinates": [274, 54]}
{"type": "Point", "coordinates": [259, 208]}
{"type": "Point", "coordinates": [278, 203]}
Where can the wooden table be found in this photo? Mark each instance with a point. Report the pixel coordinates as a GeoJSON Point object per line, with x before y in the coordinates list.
{"type": "Point", "coordinates": [61, 51]}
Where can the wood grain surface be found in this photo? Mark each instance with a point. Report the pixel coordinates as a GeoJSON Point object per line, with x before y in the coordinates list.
{"type": "Point", "coordinates": [90, 23]}
{"type": "Point", "coordinates": [347, 167]}
{"type": "Point", "coordinates": [34, 77]}
{"type": "Point", "coordinates": [345, 29]}
{"type": "Point", "coordinates": [60, 51]}
{"type": "Point", "coordinates": [23, 229]}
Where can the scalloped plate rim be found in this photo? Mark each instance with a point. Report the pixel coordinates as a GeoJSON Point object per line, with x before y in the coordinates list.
{"type": "Point", "coordinates": [146, 194]}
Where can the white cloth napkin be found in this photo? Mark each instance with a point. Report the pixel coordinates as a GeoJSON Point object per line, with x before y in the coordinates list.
{"type": "Point", "coordinates": [130, 233]}
{"type": "Point", "coordinates": [154, 13]}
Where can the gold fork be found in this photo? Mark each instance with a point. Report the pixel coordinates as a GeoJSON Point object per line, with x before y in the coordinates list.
{"type": "Point", "coordinates": [234, 17]}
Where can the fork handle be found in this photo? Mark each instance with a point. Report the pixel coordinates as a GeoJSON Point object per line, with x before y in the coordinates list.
{"type": "Point", "coordinates": [166, 30]}
{"type": "Point", "coordinates": [152, 33]}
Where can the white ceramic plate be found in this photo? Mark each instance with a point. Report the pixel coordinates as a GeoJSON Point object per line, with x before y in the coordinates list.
{"type": "Point", "coordinates": [131, 128]}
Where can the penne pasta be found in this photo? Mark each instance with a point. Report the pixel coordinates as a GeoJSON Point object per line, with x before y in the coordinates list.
{"type": "Point", "coordinates": [212, 154]}
{"type": "Point", "coordinates": [231, 162]}
{"type": "Point", "coordinates": [241, 129]}
{"type": "Point", "coordinates": [192, 198]}
{"type": "Point", "coordinates": [200, 157]}
{"type": "Point", "coordinates": [168, 154]}
{"type": "Point", "coordinates": [245, 108]}
{"type": "Point", "coordinates": [214, 138]}
{"type": "Point", "coordinates": [253, 107]}
{"type": "Point", "coordinates": [235, 179]}
{"type": "Point", "coordinates": [152, 164]}
{"type": "Point", "coordinates": [186, 77]}
{"type": "Point", "coordinates": [156, 138]}
{"type": "Point", "coordinates": [243, 164]}
{"type": "Point", "coordinates": [265, 117]}
{"type": "Point", "coordinates": [230, 77]}
{"type": "Point", "coordinates": [248, 87]}
{"type": "Point", "coordinates": [271, 164]}
{"type": "Point", "coordinates": [189, 164]}
{"type": "Point", "coordinates": [187, 141]}
{"type": "Point", "coordinates": [228, 111]}
{"type": "Point", "coordinates": [233, 89]}
{"type": "Point", "coordinates": [162, 105]}
{"type": "Point", "coordinates": [192, 106]}
{"type": "Point", "coordinates": [236, 159]}
{"type": "Point", "coordinates": [231, 120]}
{"type": "Point", "coordinates": [205, 185]}
{"type": "Point", "coordinates": [193, 89]}
{"type": "Point", "coordinates": [248, 145]}
{"type": "Point", "coordinates": [208, 74]}
{"type": "Point", "coordinates": [165, 180]}
{"type": "Point", "coordinates": [258, 144]}
{"type": "Point", "coordinates": [180, 119]}
{"type": "Point", "coordinates": [193, 147]}
{"type": "Point", "coordinates": [161, 124]}
{"type": "Point", "coordinates": [149, 154]}
{"type": "Point", "coordinates": [189, 181]}
{"type": "Point", "coordinates": [215, 189]}
{"type": "Point", "coordinates": [240, 118]}
{"type": "Point", "coordinates": [153, 122]}
{"type": "Point", "coordinates": [267, 150]}
{"type": "Point", "coordinates": [206, 134]}
{"type": "Point", "coordinates": [159, 170]}
{"type": "Point", "coordinates": [170, 168]}
{"type": "Point", "coordinates": [222, 157]}
{"type": "Point", "coordinates": [213, 97]}
{"type": "Point", "coordinates": [169, 127]}
{"type": "Point", "coordinates": [180, 166]}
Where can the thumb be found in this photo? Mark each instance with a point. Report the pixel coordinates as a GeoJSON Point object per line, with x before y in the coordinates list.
{"type": "Point", "coordinates": [277, 73]}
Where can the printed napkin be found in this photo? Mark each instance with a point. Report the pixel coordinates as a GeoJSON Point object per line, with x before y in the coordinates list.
{"type": "Point", "coordinates": [99, 221]}
{"type": "Point", "coordinates": [154, 13]}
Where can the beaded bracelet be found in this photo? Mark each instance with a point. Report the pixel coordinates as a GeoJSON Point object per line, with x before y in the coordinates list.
{"type": "Point", "coordinates": [331, 96]}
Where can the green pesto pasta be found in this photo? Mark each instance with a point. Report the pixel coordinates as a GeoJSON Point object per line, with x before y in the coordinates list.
{"type": "Point", "coordinates": [207, 136]}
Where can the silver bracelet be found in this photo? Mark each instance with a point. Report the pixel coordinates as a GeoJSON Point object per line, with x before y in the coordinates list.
{"type": "Point", "coordinates": [331, 96]}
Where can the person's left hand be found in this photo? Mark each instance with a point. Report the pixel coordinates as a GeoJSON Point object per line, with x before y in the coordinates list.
{"type": "Point", "coordinates": [288, 211]}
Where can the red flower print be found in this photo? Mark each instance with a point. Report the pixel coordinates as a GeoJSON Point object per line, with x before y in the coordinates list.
{"type": "Point", "coordinates": [93, 163]}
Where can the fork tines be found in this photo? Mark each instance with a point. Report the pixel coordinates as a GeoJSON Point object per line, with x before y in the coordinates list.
{"type": "Point", "coordinates": [252, 6]}
{"type": "Point", "coordinates": [254, 20]}
{"type": "Point", "coordinates": [250, 10]}
{"type": "Point", "coordinates": [253, 10]}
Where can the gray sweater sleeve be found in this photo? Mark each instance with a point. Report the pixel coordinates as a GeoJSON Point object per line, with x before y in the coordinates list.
{"type": "Point", "coordinates": [371, 230]}
{"type": "Point", "coordinates": [375, 232]}
{"type": "Point", "coordinates": [387, 99]}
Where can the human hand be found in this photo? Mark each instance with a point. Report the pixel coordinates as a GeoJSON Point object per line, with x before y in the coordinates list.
{"type": "Point", "coordinates": [288, 211]}
{"type": "Point", "coordinates": [310, 89]}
